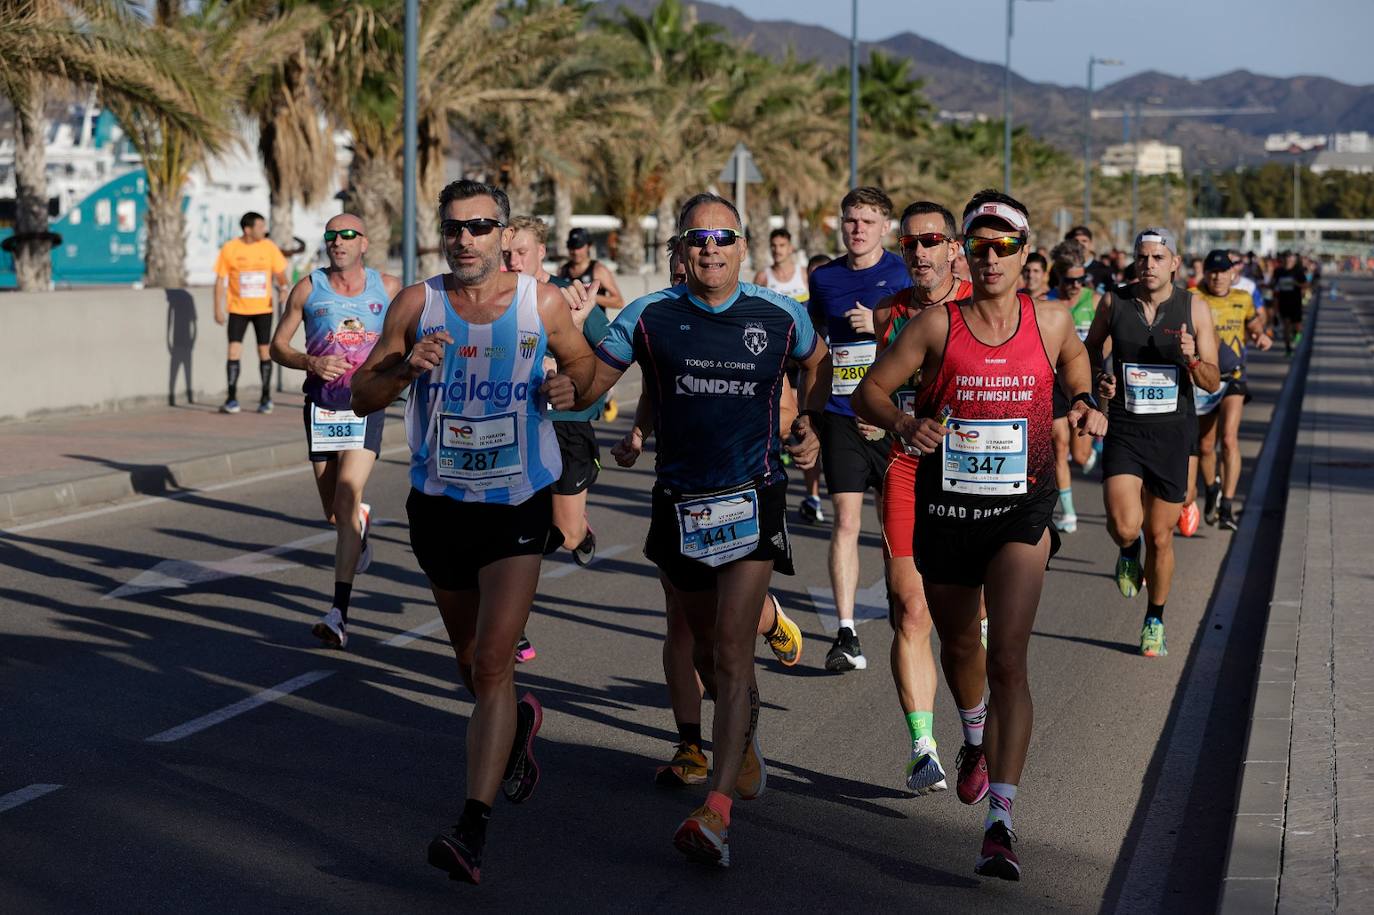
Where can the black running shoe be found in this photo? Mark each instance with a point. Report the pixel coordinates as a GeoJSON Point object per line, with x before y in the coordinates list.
{"type": "Point", "coordinates": [1226, 519]}
{"type": "Point", "coordinates": [1213, 505]}
{"type": "Point", "coordinates": [810, 511]}
{"type": "Point", "coordinates": [845, 653]}
{"type": "Point", "coordinates": [451, 853]}
{"type": "Point", "coordinates": [522, 771]}
{"type": "Point", "coordinates": [586, 550]}
{"type": "Point", "coordinates": [997, 858]}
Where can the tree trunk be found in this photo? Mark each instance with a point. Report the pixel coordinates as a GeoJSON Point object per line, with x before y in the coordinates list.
{"type": "Point", "coordinates": [760, 209]}
{"type": "Point", "coordinates": [665, 231]}
{"type": "Point", "coordinates": [562, 217]}
{"type": "Point", "coordinates": [373, 195]}
{"type": "Point", "coordinates": [791, 221]}
{"type": "Point", "coordinates": [281, 222]}
{"type": "Point", "coordinates": [165, 263]}
{"type": "Point", "coordinates": [32, 255]}
{"type": "Point", "coordinates": [631, 254]}
{"type": "Point", "coordinates": [522, 198]}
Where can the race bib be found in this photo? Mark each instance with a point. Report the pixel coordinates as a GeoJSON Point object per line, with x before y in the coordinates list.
{"type": "Point", "coordinates": [478, 453]}
{"type": "Point", "coordinates": [849, 364]}
{"type": "Point", "coordinates": [1083, 330]}
{"type": "Point", "coordinates": [336, 430]}
{"type": "Point", "coordinates": [719, 529]}
{"type": "Point", "coordinates": [1150, 388]}
{"type": "Point", "coordinates": [253, 284]}
{"type": "Point", "coordinates": [985, 457]}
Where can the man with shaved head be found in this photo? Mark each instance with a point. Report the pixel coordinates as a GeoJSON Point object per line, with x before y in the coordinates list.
{"type": "Point", "coordinates": [343, 306]}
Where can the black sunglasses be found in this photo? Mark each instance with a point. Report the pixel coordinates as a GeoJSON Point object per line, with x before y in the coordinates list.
{"type": "Point", "coordinates": [345, 234]}
{"type": "Point", "coordinates": [452, 228]}
{"type": "Point", "coordinates": [1068, 280]}
{"type": "Point", "coordinates": [924, 239]}
{"type": "Point", "coordinates": [698, 238]}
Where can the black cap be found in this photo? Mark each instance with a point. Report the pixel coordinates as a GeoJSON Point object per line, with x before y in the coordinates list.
{"type": "Point", "coordinates": [579, 238]}
{"type": "Point", "coordinates": [1217, 260]}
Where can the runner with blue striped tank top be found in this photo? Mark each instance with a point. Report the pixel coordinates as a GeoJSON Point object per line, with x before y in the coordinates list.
{"type": "Point", "coordinates": [470, 345]}
{"type": "Point", "coordinates": [343, 307]}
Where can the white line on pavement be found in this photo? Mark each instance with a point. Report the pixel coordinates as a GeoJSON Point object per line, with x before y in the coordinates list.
{"type": "Point", "coordinates": [238, 708]}
{"type": "Point", "coordinates": [570, 567]}
{"type": "Point", "coordinates": [869, 604]}
{"type": "Point", "coordinates": [24, 795]}
{"type": "Point", "coordinates": [419, 632]}
{"type": "Point", "coordinates": [1143, 890]}
{"type": "Point", "coordinates": [174, 497]}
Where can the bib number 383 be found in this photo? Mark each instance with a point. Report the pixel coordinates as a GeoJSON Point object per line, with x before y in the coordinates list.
{"type": "Point", "coordinates": [336, 430]}
{"type": "Point", "coordinates": [985, 457]}
{"type": "Point", "coordinates": [1151, 388]}
{"type": "Point", "coordinates": [720, 528]}
{"type": "Point", "coordinates": [478, 452]}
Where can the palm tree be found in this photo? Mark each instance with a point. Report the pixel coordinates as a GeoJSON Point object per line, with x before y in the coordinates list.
{"type": "Point", "coordinates": [44, 43]}
{"type": "Point", "coordinates": [225, 47]}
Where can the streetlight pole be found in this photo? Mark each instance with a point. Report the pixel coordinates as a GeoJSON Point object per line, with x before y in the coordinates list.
{"type": "Point", "coordinates": [1088, 137]}
{"type": "Point", "coordinates": [1006, 103]}
{"type": "Point", "coordinates": [854, 95]}
{"type": "Point", "coordinates": [1133, 126]}
{"type": "Point", "coordinates": [410, 140]}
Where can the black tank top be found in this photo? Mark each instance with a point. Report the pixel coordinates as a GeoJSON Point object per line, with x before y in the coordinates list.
{"type": "Point", "coordinates": [585, 278]}
{"type": "Point", "coordinates": [1152, 381]}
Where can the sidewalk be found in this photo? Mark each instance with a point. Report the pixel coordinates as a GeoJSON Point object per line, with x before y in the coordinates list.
{"type": "Point", "coordinates": [1303, 839]}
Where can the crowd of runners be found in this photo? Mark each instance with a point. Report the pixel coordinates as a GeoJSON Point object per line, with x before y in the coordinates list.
{"type": "Point", "coordinates": [961, 377]}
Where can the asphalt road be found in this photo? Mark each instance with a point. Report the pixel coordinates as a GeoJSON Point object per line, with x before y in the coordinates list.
{"type": "Point", "coordinates": [324, 797]}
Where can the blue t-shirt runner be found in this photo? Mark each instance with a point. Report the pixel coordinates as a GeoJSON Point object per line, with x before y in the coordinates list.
{"type": "Point", "coordinates": [835, 290]}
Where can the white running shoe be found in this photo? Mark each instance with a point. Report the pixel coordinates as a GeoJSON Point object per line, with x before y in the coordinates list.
{"type": "Point", "coordinates": [924, 774]}
{"type": "Point", "coordinates": [365, 557]}
{"type": "Point", "coordinates": [332, 630]}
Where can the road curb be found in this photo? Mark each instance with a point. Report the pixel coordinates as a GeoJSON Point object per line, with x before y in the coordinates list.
{"type": "Point", "coordinates": [1254, 854]}
{"type": "Point", "coordinates": [24, 505]}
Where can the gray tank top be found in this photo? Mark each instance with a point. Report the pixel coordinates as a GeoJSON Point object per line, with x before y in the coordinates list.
{"type": "Point", "coordinates": [1152, 381]}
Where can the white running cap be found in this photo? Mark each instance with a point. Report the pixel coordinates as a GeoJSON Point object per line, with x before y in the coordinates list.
{"type": "Point", "coordinates": [1001, 212]}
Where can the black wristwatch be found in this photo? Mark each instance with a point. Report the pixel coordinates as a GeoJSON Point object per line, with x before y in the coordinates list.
{"type": "Point", "coordinates": [1086, 398]}
{"type": "Point", "coordinates": [813, 415]}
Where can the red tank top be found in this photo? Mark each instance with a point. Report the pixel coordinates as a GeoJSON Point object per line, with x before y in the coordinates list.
{"type": "Point", "coordinates": [902, 309]}
{"type": "Point", "coordinates": [1000, 452]}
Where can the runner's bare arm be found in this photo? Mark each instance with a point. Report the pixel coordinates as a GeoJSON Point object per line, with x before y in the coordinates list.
{"type": "Point", "coordinates": [814, 390]}
{"type": "Point", "coordinates": [1205, 373]}
{"type": "Point", "coordinates": [1071, 367]}
{"type": "Point", "coordinates": [221, 292]}
{"type": "Point", "coordinates": [787, 407]}
{"type": "Point", "coordinates": [1098, 338]}
{"type": "Point", "coordinates": [761, 278]}
{"type": "Point", "coordinates": [398, 358]}
{"type": "Point", "coordinates": [882, 316]}
{"type": "Point", "coordinates": [629, 448]}
{"type": "Point", "coordinates": [392, 285]}
{"type": "Point", "coordinates": [576, 363]}
{"type": "Point", "coordinates": [283, 353]}
{"type": "Point", "coordinates": [919, 345]}
{"type": "Point", "coordinates": [609, 297]}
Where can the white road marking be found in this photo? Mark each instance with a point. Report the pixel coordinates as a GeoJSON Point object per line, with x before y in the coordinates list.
{"type": "Point", "coordinates": [177, 496]}
{"type": "Point", "coordinates": [24, 795]}
{"type": "Point", "coordinates": [238, 708]}
{"type": "Point", "coordinates": [568, 567]}
{"type": "Point", "coordinates": [869, 604]}
{"type": "Point", "coordinates": [1143, 889]}
{"type": "Point", "coordinates": [178, 573]}
{"type": "Point", "coordinates": [419, 632]}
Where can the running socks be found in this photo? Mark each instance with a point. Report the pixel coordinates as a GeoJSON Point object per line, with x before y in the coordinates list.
{"type": "Point", "coordinates": [265, 370]}
{"type": "Point", "coordinates": [472, 825]}
{"type": "Point", "coordinates": [1000, 797]}
{"type": "Point", "coordinates": [920, 724]}
{"type": "Point", "coordinates": [689, 732]}
{"type": "Point", "coordinates": [1066, 502]}
{"type": "Point", "coordinates": [973, 719]}
{"type": "Point", "coordinates": [848, 624]}
{"type": "Point", "coordinates": [718, 802]}
{"type": "Point", "coordinates": [1132, 551]}
{"type": "Point", "coordinates": [1155, 610]}
{"type": "Point", "coordinates": [231, 372]}
{"type": "Point", "coordinates": [343, 590]}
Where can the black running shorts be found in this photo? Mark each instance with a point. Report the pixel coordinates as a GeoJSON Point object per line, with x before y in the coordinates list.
{"type": "Point", "coordinates": [952, 552]}
{"type": "Point", "coordinates": [663, 546]}
{"type": "Point", "coordinates": [851, 462]}
{"type": "Point", "coordinates": [372, 437]}
{"type": "Point", "coordinates": [453, 540]}
{"type": "Point", "coordinates": [581, 456]}
{"type": "Point", "coordinates": [262, 327]}
{"type": "Point", "coordinates": [1156, 452]}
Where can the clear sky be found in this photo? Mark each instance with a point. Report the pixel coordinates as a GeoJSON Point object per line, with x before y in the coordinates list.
{"type": "Point", "coordinates": [1053, 40]}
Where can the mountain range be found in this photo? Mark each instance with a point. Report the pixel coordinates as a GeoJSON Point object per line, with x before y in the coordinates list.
{"type": "Point", "coordinates": [955, 83]}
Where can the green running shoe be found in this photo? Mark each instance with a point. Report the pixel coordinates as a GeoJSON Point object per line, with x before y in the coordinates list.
{"type": "Point", "coordinates": [1152, 638]}
{"type": "Point", "coordinates": [1129, 572]}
